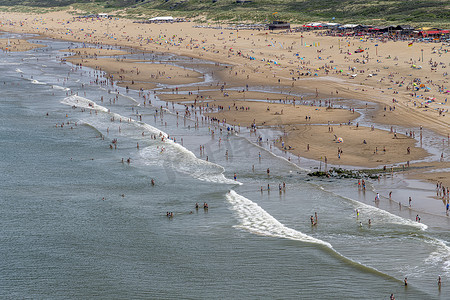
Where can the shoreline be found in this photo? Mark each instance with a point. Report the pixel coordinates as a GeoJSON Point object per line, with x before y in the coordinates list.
{"type": "Point", "coordinates": [403, 114]}
{"type": "Point", "coordinates": [119, 52]}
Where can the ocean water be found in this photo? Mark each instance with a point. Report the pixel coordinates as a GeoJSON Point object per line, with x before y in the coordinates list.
{"type": "Point", "coordinates": [77, 222]}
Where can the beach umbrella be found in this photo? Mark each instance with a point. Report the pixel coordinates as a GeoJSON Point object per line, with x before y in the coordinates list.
{"type": "Point", "coordinates": [340, 140]}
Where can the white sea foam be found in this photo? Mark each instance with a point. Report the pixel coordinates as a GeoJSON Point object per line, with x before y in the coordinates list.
{"type": "Point", "coordinates": [83, 103]}
{"type": "Point", "coordinates": [383, 216]}
{"type": "Point", "coordinates": [174, 155]}
{"type": "Point", "coordinates": [180, 158]}
{"type": "Point", "coordinates": [256, 220]}
{"type": "Point", "coordinates": [441, 256]}
{"type": "Point", "coordinates": [34, 81]}
{"type": "Point", "coordinates": [183, 160]}
{"type": "Point", "coordinates": [131, 98]}
{"type": "Point", "coordinates": [57, 87]}
{"type": "Point", "coordinates": [19, 70]}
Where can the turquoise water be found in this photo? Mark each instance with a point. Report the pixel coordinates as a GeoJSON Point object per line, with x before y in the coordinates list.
{"type": "Point", "coordinates": [78, 223]}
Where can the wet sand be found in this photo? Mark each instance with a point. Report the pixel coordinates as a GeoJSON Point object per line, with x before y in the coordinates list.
{"type": "Point", "coordinates": [14, 45]}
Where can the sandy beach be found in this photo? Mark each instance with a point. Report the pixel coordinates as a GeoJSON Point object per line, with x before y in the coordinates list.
{"type": "Point", "coordinates": [351, 145]}
{"type": "Point", "coordinates": [180, 161]}
{"type": "Point", "coordinates": [409, 84]}
{"type": "Point", "coordinates": [137, 74]}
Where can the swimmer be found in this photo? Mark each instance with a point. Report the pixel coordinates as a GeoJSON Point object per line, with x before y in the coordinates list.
{"type": "Point", "coordinates": [196, 205]}
{"type": "Point", "coordinates": [405, 281]}
{"type": "Point", "coordinates": [152, 181]}
{"type": "Point", "coordinates": [439, 281]}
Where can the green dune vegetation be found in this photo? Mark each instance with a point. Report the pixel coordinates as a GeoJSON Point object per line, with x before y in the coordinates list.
{"type": "Point", "coordinates": [434, 13]}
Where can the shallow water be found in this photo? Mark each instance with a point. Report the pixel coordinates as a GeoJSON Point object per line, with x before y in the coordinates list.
{"type": "Point", "coordinates": [78, 223]}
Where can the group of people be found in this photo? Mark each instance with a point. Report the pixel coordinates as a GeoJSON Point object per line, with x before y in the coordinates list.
{"type": "Point", "coordinates": [205, 206]}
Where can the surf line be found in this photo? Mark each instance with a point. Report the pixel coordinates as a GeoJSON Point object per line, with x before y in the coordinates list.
{"type": "Point", "coordinates": [183, 165]}
{"type": "Point", "coordinates": [255, 219]}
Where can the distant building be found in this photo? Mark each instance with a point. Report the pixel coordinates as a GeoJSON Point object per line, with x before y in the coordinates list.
{"type": "Point", "coordinates": [277, 25]}
{"type": "Point", "coordinates": [167, 19]}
